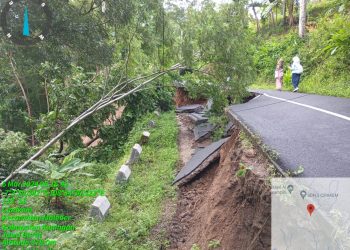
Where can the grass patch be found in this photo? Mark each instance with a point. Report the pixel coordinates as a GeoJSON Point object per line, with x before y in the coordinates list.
{"type": "Point", "coordinates": [320, 82]}
{"type": "Point", "coordinates": [136, 206]}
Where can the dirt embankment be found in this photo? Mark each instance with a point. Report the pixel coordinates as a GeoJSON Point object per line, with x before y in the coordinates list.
{"type": "Point", "coordinates": [218, 210]}
{"type": "Point", "coordinates": [182, 98]}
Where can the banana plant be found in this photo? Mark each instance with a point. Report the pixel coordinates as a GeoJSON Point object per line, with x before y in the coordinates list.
{"type": "Point", "coordinates": [268, 9]}
{"type": "Point", "coordinates": [53, 172]}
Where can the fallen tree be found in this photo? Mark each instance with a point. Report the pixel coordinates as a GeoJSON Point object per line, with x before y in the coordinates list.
{"type": "Point", "coordinates": [112, 96]}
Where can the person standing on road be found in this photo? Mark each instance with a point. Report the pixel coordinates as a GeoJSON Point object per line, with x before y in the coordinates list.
{"type": "Point", "coordinates": [297, 70]}
{"type": "Point", "coordinates": [279, 74]}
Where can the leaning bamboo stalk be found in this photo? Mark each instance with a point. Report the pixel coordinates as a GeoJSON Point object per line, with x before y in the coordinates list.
{"type": "Point", "coordinates": [97, 106]}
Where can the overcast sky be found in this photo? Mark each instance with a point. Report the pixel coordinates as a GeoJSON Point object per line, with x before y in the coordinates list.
{"type": "Point", "coordinates": [185, 3]}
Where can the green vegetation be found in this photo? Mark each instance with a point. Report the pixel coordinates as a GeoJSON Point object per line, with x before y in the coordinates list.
{"type": "Point", "coordinates": [214, 244]}
{"type": "Point", "coordinates": [324, 52]}
{"type": "Point", "coordinates": [243, 169]}
{"type": "Point", "coordinates": [224, 43]}
{"type": "Point", "coordinates": [13, 150]}
{"type": "Point", "coordinates": [89, 53]}
{"type": "Point", "coordinates": [195, 247]}
{"type": "Point", "coordinates": [53, 172]}
{"type": "Point", "coordinates": [137, 204]}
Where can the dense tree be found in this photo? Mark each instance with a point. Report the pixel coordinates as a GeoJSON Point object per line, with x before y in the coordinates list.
{"type": "Point", "coordinates": [90, 51]}
{"type": "Point", "coordinates": [217, 43]}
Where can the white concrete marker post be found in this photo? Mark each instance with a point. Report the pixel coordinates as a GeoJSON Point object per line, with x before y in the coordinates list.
{"type": "Point", "coordinates": [123, 174]}
{"type": "Point", "coordinates": [100, 208]}
{"type": "Point", "coordinates": [145, 137]}
{"type": "Point", "coordinates": [135, 154]}
{"type": "Point", "coordinates": [152, 124]}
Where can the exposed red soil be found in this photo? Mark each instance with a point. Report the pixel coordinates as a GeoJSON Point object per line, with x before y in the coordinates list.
{"type": "Point", "coordinates": [217, 205]}
{"type": "Point", "coordinates": [182, 98]}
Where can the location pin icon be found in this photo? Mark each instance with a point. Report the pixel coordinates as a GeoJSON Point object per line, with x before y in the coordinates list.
{"type": "Point", "coordinates": [290, 188]}
{"type": "Point", "coordinates": [310, 208]}
{"type": "Point", "coordinates": [303, 194]}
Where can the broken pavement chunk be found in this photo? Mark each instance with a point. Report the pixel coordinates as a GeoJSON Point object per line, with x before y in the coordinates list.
{"type": "Point", "coordinates": [198, 118]}
{"type": "Point", "coordinates": [100, 208]}
{"type": "Point", "coordinates": [228, 129]}
{"type": "Point", "coordinates": [189, 108]}
{"type": "Point", "coordinates": [200, 161]}
{"type": "Point", "coordinates": [202, 131]}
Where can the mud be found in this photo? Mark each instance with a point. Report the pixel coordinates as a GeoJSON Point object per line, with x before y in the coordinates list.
{"type": "Point", "coordinates": [219, 206]}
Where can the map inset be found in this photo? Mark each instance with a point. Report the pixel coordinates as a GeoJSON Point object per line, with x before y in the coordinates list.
{"type": "Point", "coordinates": [310, 213]}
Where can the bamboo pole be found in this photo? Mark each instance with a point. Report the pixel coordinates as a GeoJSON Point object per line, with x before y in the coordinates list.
{"type": "Point", "coordinates": [107, 100]}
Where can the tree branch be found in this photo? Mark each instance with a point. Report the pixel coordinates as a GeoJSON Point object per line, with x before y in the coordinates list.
{"type": "Point", "coordinates": [104, 102]}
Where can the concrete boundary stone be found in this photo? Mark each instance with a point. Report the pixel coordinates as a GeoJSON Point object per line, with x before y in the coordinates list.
{"type": "Point", "coordinates": [123, 174]}
{"type": "Point", "coordinates": [135, 154]}
{"type": "Point", "coordinates": [100, 207]}
{"type": "Point", "coordinates": [152, 124]}
{"type": "Point", "coordinates": [145, 137]}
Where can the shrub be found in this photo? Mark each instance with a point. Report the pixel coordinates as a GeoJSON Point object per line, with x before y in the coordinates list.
{"type": "Point", "coordinates": [268, 52]}
{"type": "Point", "coordinates": [13, 150]}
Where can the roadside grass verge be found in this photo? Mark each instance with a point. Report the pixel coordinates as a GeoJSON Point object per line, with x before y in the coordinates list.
{"type": "Point", "coordinates": [334, 86]}
{"type": "Point", "coordinates": [136, 206]}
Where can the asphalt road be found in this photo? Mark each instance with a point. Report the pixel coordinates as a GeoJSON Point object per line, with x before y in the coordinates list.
{"type": "Point", "coordinates": [305, 130]}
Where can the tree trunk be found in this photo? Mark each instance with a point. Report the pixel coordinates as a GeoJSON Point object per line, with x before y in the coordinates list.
{"type": "Point", "coordinates": [256, 19]}
{"type": "Point", "coordinates": [47, 96]}
{"type": "Point", "coordinates": [273, 18]}
{"type": "Point", "coordinates": [24, 93]}
{"type": "Point", "coordinates": [284, 11]}
{"type": "Point", "coordinates": [290, 12]}
{"type": "Point", "coordinates": [276, 13]}
{"type": "Point", "coordinates": [302, 18]}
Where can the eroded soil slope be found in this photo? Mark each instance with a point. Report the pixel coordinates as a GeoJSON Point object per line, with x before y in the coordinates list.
{"type": "Point", "coordinates": [219, 207]}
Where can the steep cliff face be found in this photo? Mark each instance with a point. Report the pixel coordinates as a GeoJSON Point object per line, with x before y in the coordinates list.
{"type": "Point", "coordinates": [220, 207]}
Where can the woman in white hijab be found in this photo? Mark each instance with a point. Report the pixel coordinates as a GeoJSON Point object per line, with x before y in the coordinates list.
{"type": "Point", "coordinates": [297, 70]}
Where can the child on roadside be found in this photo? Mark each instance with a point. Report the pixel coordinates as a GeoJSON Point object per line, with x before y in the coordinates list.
{"type": "Point", "coordinates": [297, 70]}
{"type": "Point", "coordinates": [279, 74]}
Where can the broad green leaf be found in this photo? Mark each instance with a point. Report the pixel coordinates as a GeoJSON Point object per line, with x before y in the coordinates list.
{"type": "Point", "coordinates": [40, 164]}
{"type": "Point", "coordinates": [57, 175]}
{"type": "Point", "coordinates": [80, 166]}
{"type": "Point", "coordinates": [85, 174]}
{"type": "Point", "coordinates": [67, 164]}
